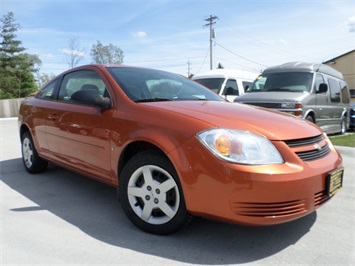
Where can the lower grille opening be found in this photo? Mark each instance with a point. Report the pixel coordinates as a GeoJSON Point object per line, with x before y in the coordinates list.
{"type": "Point", "coordinates": [266, 210]}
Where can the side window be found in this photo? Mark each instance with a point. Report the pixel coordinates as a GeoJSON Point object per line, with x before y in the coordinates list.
{"type": "Point", "coordinates": [47, 93]}
{"type": "Point", "coordinates": [247, 85]}
{"type": "Point", "coordinates": [81, 82]}
{"type": "Point", "coordinates": [344, 92]}
{"type": "Point", "coordinates": [318, 80]}
{"type": "Point", "coordinates": [334, 87]}
{"type": "Point", "coordinates": [233, 84]}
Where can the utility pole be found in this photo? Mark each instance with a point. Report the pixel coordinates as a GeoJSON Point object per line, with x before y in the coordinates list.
{"type": "Point", "coordinates": [210, 23]}
{"type": "Point", "coordinates": [188, 68]}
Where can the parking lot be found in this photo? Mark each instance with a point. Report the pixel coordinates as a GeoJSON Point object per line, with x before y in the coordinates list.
{"type": "Point", "coordinates": [60, 217]}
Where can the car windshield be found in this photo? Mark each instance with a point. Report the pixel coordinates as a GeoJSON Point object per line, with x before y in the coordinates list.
{"type": "Point", "coordinates": [213, 84]}
{"type": "Point", "coordinates": [285, 81]}
{"type": "Point", "coordinates": [146, 85]}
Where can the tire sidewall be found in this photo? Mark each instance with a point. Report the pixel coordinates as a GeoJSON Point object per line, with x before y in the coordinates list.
{"type": "Point", "coordinates": [309, 118]}
{"type": "Point", "coordinates": [343, 126]}
{"type": "Point", "coordinates": [38, 164]}
{"type": "Point", "coordinates": [151, 158]}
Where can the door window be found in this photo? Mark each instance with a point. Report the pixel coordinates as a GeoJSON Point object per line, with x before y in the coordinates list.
{"type": "Point", "coordinates": [318, 80]}
{"type": "Point", "coordinates": [334, 87]}
{"type": "Point", "coordinates": [247, 85]}
{"type": "Point", "coordinates": [344, 92]}
{"type": "Point", "coordinates": [47, 93]}
{"type": "Point", "coordinates": [231, 83]}
{"type": "Point", "coordinates": [85, 81]}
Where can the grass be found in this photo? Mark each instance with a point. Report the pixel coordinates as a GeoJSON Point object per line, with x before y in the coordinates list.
{"type": "Point", "coordinates": [347, 140]}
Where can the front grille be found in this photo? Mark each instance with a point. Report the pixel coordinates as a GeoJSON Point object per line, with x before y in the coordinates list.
{"type": "Point", "coordinates": [314, 154]}
{"type": "Point", "coordinates": [268, 210]}
{"type": "Point", "coordinates": [303, 142]}
{"type": "Point", "coordinates": [309, 149]}
{"type": "Point", "coordinates": [266, 105]}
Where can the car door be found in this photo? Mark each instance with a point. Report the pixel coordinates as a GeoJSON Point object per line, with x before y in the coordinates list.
{"type": "Point", "coordinates": [321, 107]}
{"type": "Point", "coordinates": [336, 107]}
{"type": "Point", "coordinates": [38, 112]}
{"type": "Point", "coordinates": [77, 133]}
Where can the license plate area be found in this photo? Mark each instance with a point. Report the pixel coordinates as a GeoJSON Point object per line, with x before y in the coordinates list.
{"type": "Point", "coordinates": [334, 181]}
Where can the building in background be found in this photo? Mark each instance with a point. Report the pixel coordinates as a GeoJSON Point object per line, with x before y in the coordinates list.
{"type": "Point", "coordinates": [345, 64]}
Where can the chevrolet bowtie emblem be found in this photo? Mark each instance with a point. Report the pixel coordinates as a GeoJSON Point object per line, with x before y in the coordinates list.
{"type": "Point", "coordinates": [317, 146]}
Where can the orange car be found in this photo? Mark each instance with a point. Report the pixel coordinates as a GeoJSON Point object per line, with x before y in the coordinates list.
{"type": "Point", "coordinates": [175, 149]}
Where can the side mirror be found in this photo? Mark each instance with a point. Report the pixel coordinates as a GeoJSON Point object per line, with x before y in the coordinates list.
{"type": "Point", "coordinates": [91, 97]}
{"type": "Point", "coordinates": [104, 102]}
{"type": "Point", "coordinates": [323, 88]}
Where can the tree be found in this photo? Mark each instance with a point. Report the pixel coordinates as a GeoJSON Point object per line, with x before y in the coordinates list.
{"type": "Point", "coordinates": [44, 78]}
{"type": "Point", "coordinates": [74, 53]}
{"type": "Point", "coordinates": [106, 54]}
{"type": "Point", "coordinates": [16, 67]}
{"type": "Point", "coordinates": [220, 66]}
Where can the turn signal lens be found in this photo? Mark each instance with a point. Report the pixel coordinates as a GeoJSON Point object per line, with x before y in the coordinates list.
{"type": "Point", "coordinates": [223, 145]}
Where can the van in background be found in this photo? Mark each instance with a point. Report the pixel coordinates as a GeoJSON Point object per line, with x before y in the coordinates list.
{"type": "Point", "coordinates": [229, 83]}
{"type": "Point", "coordinates": [315, 92]}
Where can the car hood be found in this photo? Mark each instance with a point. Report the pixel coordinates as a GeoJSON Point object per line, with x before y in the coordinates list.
{"type": "Point", "coordinates": [273, 125]}
{"type": "Point", "coordinates": [272, 97]}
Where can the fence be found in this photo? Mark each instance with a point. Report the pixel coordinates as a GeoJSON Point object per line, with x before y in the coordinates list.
{"type": "Point", "coordinates": [10, 107]}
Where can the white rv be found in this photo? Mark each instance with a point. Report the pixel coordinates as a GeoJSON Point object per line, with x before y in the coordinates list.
{"type": "Point", "coordinates": [229, 83]}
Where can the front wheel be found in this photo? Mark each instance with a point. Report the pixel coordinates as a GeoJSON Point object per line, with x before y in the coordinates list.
{"type": "Point", "coordinates": [310, 119]}
{"type": "Point", "coordinates": [150, 194]}
{"type": "Point", "coordinates": [32, 162]}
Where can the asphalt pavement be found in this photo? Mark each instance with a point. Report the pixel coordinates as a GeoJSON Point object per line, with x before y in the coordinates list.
{"type": "Point", "coordinates": [60, 217]}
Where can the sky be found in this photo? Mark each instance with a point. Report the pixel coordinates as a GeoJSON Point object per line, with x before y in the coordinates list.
{"type": "Point", "coordinates": [172, 35]}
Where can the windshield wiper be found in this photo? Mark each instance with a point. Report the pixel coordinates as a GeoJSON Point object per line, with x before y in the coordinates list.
{"type": "Point", "coordinates": [198, 99]}
{"type": "Point", "coordinates": [278, 89]}
{"type": "Point", "coordinates": [152, 100]}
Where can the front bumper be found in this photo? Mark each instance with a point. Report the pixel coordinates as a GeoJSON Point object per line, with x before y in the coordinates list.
{"type": "Point", "coordinates": [253, 195]}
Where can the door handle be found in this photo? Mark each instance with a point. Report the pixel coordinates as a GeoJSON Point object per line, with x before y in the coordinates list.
{"type": "Point", "coordinates": [52, 116]}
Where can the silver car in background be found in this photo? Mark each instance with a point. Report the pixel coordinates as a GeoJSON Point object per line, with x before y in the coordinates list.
{"type": "Point", "coordinates": [315, 92]}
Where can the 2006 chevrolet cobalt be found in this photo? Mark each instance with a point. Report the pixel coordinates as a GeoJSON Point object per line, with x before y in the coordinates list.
{"type": "Point", "coordinates": [174, 149]}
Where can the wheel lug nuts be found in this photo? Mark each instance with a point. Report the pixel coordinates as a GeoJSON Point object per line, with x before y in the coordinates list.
{"type": "Point", "coordinates": [157, 191]}
{"type": "Point", "coordinates": [147, 197]}
{"type": "Point", "coordinates": [156, 201]}
{"type": "Point", "coordinates": [149, 188]}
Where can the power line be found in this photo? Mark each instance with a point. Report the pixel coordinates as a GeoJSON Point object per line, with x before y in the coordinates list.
{"type": "Point", "coordinates": [203, 62]}
{"type": "Point", "coordinates": [240, 55]}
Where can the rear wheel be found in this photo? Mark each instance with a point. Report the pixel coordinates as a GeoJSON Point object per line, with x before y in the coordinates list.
{"type": "Point", "coordinates": [343, 126]}
{"type": "Point", "coordinates": [32, 162]}
{"type": "Point", "coordinates": [151, 195]}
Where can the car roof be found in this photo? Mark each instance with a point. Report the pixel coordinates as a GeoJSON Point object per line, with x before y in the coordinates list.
{"type": "Point", "coordinates": [227, 73]}
{"type": "Point", "coordinates": [304, 67]}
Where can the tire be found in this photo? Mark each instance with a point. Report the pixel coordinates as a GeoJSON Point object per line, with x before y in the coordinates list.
{"type": "Point", "coordinates": [32, 162]}
{"type": "Point", "coordinates": [310, 119]}
{"type": "Point", "coordinates": [150, 194]}
{"type": "Point", "coordinates": [343, 126]}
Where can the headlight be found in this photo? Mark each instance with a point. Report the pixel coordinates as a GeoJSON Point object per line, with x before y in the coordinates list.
{"type": "Point", "coordinates": [291, 105]}
{"type": "Point", "coordinates": [288, 105]}
{"type": "Point", "coordinates": [240, 147]}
